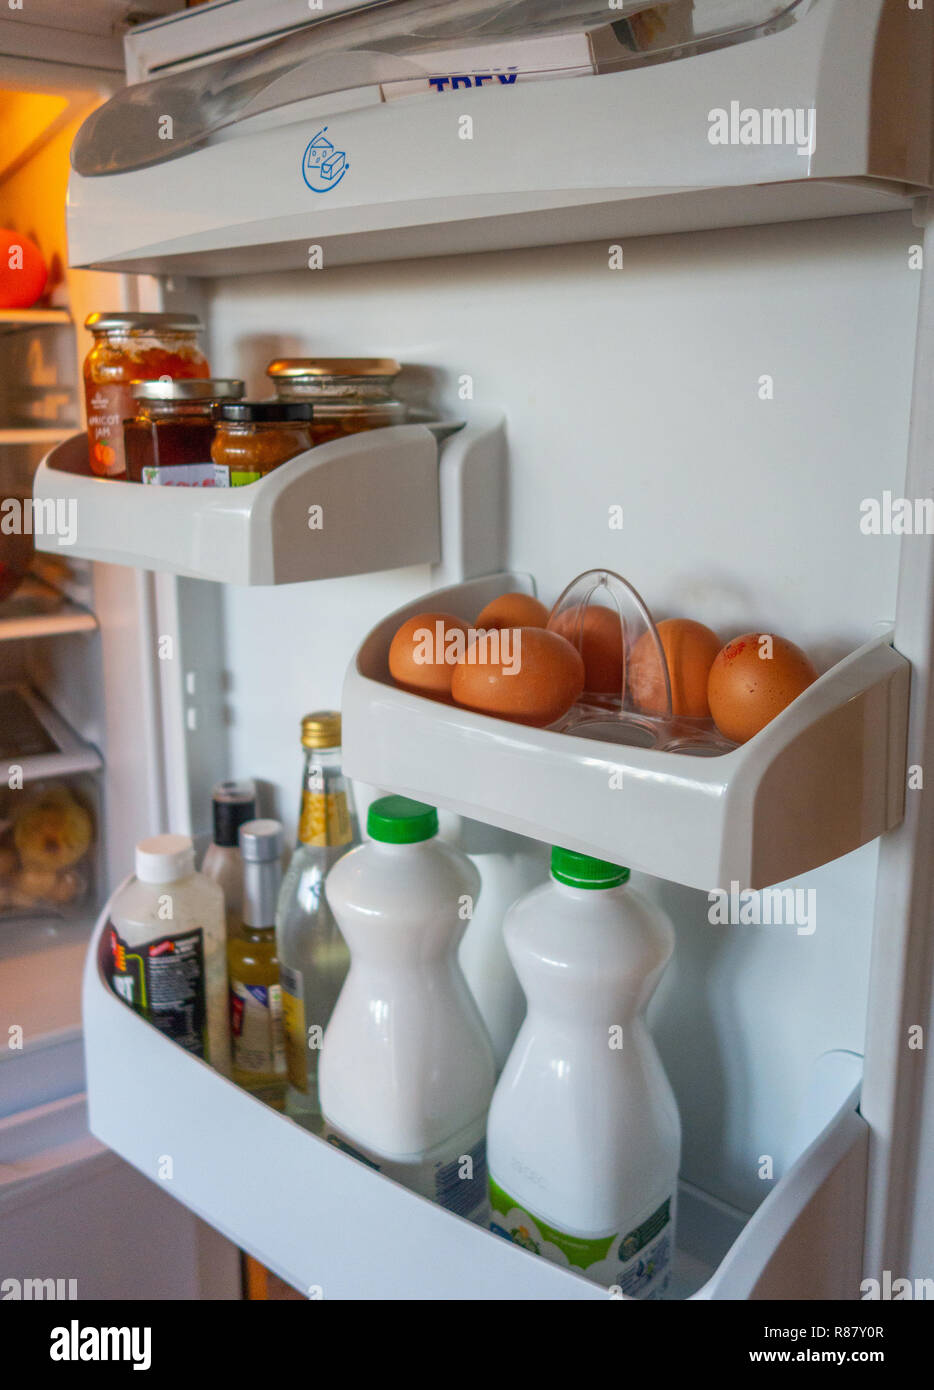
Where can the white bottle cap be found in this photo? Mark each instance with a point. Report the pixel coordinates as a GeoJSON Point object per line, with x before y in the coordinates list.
{"type": "Point", "coordinates": [165, 858]}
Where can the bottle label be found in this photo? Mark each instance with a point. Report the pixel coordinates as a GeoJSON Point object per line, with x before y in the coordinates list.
{"type": "Point", "coordinates": [457, 1179]}
{"type": "Point", "coordinates": [108, 407]}
{"type": "Point", "coordinates": [186, 475]}
{"type": "Point", "coordinates": [293, 1018]}
{"type": "Point", "coordinates": [256, 1028]}
{"type": "Point", "coordinates": [325, 818]}
{"type": "Point", "coordinates": [163, 980]}
{"type": "Point", "coordinates": [638, 1262]}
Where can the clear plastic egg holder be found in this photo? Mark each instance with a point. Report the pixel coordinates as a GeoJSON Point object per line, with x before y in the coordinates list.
{"type": "Point", "coordinates": [616, 713]}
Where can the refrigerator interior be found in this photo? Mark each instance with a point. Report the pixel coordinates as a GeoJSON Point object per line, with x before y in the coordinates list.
{"type": "Point", "coordinates": [69, 1208]}
{"type": "Point", "coordinates": [741, 510]}
{"type": "Point", "coordinates": [739, 392]}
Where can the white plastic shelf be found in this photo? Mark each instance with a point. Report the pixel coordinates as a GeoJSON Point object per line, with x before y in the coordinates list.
{"type": "Point", "coordinates": [323, 1221]}
{"type": "Point", "coordinates": [619, 155]}
{"type": "Point", "coordinates": [378, 493]}
{"type": "Point", "coordinates": [67, 754]}
{"type": "Point", "coordinates": [824, 777]}
{"type": "Point", "coordinates": [37, 610]}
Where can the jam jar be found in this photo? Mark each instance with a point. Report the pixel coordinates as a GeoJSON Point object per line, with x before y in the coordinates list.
{"type": "Point", "coordinates": [251, 438]}
{"type": "Point", "coordinates": [348, 393]}
{"type": "Point", "coordinates": [169, 439]}
{"type": "Point", "coordinates": [132, 347]}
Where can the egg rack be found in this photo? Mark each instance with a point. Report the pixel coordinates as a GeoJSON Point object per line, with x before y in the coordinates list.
{"type": "Point", "coordinates": [824, 777]}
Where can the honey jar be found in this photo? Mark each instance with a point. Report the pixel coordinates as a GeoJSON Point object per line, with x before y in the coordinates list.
{"type": "Point", "coordinates": [348, 393]}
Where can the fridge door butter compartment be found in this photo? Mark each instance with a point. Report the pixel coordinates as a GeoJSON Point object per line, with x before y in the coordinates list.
{"type": "Point", "coordinates": [334, 1228]}
{"type": "Point", "coordinates": [660, 148]}
{"type": "Point", "coordinates": [824, 777]}
{"type": "Point", "coordinates": [369, 502]}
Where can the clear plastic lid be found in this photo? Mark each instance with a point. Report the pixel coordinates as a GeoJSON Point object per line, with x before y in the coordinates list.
{"type": "Point", "coordinates": [382, 44]}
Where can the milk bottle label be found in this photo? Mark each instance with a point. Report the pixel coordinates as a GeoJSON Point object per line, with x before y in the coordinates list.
{"type": "Point", "coordinates": [456, 1180]}
{"type": "Point", "coordinates": [636, 1261]}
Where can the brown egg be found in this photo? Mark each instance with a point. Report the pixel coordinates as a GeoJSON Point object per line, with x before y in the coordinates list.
{"type": "Point", "coordinates": [754, 678]}
{"type": "Point", "coordinates": [423, 652]}
{"type": "Point", "coordinates": [690, 650]}
{"type": "Point", "coordinates": [601, 645]}
{"type": "Point", "coordinates": [513, 610]}
{"type": "Point", "coordinates": [525, 674]}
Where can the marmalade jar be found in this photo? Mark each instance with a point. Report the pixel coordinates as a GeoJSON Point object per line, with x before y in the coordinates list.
{"type": "Point", "coordinates": [132, 347]}
{"type": "Point", "coordinates": [169, 440]}
{"type": "Point", "coordinates": [251, 438]}
{"type": "Point", "coordinates": [348, 393]}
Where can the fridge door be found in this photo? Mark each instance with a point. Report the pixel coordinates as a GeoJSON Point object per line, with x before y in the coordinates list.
{"type": "Point", "coordinates": [76, 1222]}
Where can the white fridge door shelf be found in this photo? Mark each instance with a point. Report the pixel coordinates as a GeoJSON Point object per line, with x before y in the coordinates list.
{"type": "Point", "coordinates": [335, 1229]}
{"type": "Point", "coordinates": [826, 776]}
{"type": "Point", "coordinates": [623, 154]}
{"type": "Point", "coordinates": [354, 506]}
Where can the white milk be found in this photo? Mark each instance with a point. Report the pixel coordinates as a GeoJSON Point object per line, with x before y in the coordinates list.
{"type": "Point", "coordinates": [509, 866]}
{"type": "Point", "coordinates": [583, 1136]}
{"type": "Point", "coordinates": [406, 1069]}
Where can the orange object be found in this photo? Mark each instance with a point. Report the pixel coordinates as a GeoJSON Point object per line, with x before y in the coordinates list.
{"type": "Point", "coordinates": [423, 652]}
{"type": "Point", "coordinates": [525, 674]}
{"type": "Point", "coordinates": [253, 438]}
{"type": "Point", "coordinates": [132, 347]}
{"type": "Point", "coordinates": [599, 639]}
{"type": "Point", "coordinates": [752, 680]}
{"type": "Point", "coordinates": [513, 610]}
{"type": "Point", "coordinates": [23, 271]}
{"type": "Point", "coordinates": [690, 649]}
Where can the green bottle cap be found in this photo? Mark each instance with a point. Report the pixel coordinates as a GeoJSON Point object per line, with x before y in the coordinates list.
{"type": "Point", "coordinates": [580, 871]}
{"type": "Point", "coordinates": [397, 820]}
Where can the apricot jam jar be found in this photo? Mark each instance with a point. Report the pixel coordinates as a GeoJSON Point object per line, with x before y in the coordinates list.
{"type": "Point", "coordinates": [132, 347]}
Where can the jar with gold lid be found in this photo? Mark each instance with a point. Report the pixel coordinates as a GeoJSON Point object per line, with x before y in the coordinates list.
{"type": "Point", "coordinates": [349, 394]}
{"type": "Point", "coordinates": [132, 347]}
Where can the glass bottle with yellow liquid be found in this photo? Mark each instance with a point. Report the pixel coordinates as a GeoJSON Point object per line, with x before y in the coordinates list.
{"type": "Point", "coordinates": [257, 1041]}
{"type": "Point", "coordinates": [313, 955]}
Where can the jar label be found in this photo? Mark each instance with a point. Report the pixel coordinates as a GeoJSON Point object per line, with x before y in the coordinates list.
{"type": "Point", "coordinates": [239, 478]}
{"type": "Point", "coordinates": [108, 407]}
{"type": "Point", "coordinates": [163, 980]}
{"type": "Point", "coordinates": [637, 1262]}
{"type": "Point", "coordinates": [187, 475]}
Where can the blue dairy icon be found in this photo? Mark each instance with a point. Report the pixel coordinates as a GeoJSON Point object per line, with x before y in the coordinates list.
{"type": "Point", "coordinates": [323, 165]}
